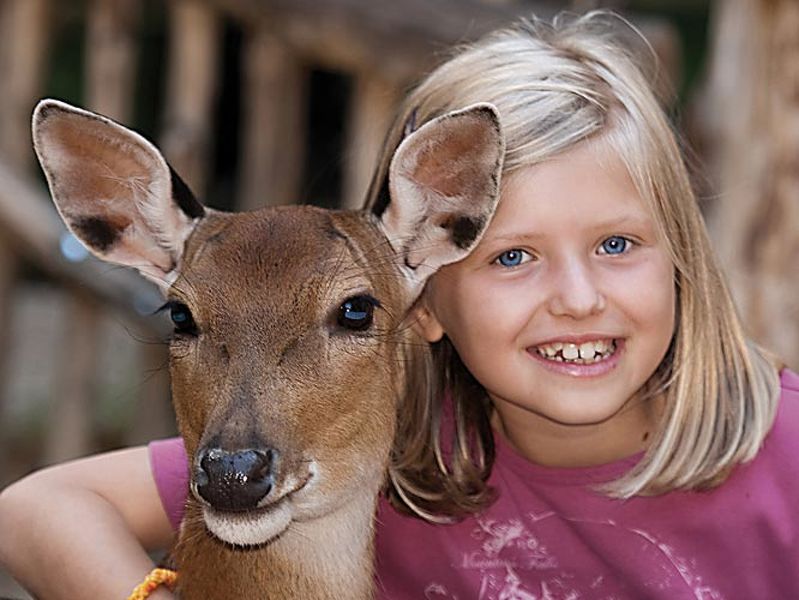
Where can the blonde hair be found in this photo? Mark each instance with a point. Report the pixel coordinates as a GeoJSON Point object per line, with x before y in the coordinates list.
{"type": "Point", "coordinates": [557, 85]}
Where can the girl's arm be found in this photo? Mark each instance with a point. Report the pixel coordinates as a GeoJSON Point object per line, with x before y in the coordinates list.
{"type": "Point", "coordinates": [81, 529]}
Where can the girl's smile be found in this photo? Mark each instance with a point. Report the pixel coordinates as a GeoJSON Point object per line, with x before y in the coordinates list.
{"type": "Point", "coordinates": [583, 356]}
{"type": "Point", "coordinates": [564, 310]}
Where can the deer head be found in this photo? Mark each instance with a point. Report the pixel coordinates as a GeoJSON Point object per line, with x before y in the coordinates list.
{"type": "Point", "coordinates": [286, 358]}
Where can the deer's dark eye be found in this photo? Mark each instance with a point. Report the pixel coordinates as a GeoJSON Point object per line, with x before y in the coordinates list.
{"type": "Point", "coordinates": [357, 313]}
{"type": "Point", "coordinates": [181, 317]}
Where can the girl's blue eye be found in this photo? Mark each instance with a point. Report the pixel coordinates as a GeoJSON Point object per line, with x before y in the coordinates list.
{"type": "Point", "coordinates": [615, 245]}
{"type": "Point", "coordinates": [511, 258]}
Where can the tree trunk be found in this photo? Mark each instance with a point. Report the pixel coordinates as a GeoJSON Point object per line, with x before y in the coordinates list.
{"type": "Point", "coordinates": [751, 121]}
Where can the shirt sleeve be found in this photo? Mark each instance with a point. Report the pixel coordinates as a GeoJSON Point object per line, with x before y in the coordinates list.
{"type": "Point", "coordinates": [170, 468]}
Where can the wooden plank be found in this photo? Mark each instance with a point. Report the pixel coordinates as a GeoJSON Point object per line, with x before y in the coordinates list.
{"type": "Point", "coordinates": [69, 433]}
{"type": "Point", "coordinates": [273, 123]}
{"type": "Point", "coordinates": [23, 48]}
{"type": "Point", "coordinates": [8, 276]}
{"type": "Point", "coordinates": [194, 47]}
{"type": "Point", "coordinates": [111, 50]}
{"type": "Point", "coordinates": [371, 110]}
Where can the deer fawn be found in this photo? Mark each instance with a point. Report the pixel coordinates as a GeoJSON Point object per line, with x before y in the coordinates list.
{"type": "Point", "coordinates": [290, 327]}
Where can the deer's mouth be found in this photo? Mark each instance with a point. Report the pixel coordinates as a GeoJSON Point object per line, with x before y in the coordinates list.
{"type": "Point", "coordinates": [259, 525]}
{"type": "Point", "coordinates": [250, 528]}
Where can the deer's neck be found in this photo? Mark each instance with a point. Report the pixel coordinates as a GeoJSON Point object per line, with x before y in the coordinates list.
{"type": "Point", "coordinates": [327, 558]}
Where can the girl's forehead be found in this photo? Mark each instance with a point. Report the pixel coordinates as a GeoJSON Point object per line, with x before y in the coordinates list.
{"type": "Point", "coordinates": [578, 164]}
{"type": "Point", "coordinates": [587, 182]}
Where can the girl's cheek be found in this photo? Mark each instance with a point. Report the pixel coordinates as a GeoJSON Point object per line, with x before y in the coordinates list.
{"type": "Point", "coordinates": [649, 290]}
{"type": "Point", "coordinates": [651, 268]}
{"type": "Point", "coordinates": [503, 302]}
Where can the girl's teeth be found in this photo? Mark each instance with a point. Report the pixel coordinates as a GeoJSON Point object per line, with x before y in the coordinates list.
{"type": "Point", "coordinates": [570, 352]}
{"type": "Point", "coordinates": [585, 353]}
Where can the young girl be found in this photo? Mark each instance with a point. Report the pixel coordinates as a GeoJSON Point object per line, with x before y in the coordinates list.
{"type": "Point", "coordinates": [593, 423]}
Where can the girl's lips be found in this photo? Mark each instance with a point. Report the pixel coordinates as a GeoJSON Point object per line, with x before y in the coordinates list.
{"type": "Point", "coordinates": [596, 369]}
{"type": "Point", "coordinates": [577, 339]}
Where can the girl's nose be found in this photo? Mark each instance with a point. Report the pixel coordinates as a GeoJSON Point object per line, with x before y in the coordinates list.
{"type": "Point", "coordinates": [575, 292]}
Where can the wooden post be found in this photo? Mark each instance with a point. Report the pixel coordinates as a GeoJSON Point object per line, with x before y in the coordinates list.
{"type": "Point", "coordinates": [23, 48]}
{"type": "Point", "coordinates": [8, 275]}
{"type": "Point", "coordinates": [8, 272]}
{"type": "Point", "coordinates": [273, 123]}
{"type": "Point", "coordinates": [69, 432]}
{"type": "Point", "coordinates": [194, 46]}
{"type": "Point", "coordinates": [371, 111]}
{"type": "Point", "coordinates": [111, 50]}
{"type": "Point", "coordinates": [750, 113]}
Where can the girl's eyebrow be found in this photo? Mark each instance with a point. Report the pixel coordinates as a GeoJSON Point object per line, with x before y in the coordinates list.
{"type": "Point", "coordinates": [513, 237]}
{"type": "Point", "coordinates": [620, 223]}
{"type": "Point", "coordinates": [624, 221]}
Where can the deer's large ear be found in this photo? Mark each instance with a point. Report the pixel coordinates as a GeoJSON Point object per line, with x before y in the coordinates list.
{"type": "Point", "coordinates": [444, 187]}
{"type": "Point", "coordinates": [114, 189]}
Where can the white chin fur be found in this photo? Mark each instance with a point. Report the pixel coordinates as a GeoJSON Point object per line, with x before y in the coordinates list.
{"type": "Point", "coordinates": [248, 529]}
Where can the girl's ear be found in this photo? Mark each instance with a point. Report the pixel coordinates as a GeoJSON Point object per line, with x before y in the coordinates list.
{"type": "Point", "coordinates": [114, 190]}
{"type": "Point", "coordinates": [425, 323]}
{"type": "Point", "coordinates": [444, 187]}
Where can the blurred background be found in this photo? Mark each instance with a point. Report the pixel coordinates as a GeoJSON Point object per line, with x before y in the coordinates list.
{"type": "Point", "coordinates": [263, 102]}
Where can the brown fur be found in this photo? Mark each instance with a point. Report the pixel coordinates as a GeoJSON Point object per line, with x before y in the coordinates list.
{"type": "Point", "coordinates": [286, 275]}
{"type": "Point", "coordinates": [264, 387]}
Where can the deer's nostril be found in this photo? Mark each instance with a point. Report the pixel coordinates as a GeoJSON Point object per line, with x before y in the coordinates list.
{"type": "Point", "coordinates": [235, 480]}
{"type": "Point", "coordinates": [263, 467]}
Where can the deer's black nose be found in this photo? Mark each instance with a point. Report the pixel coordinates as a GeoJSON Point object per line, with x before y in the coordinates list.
{"type": "Point", "coordinates": [234, 480]}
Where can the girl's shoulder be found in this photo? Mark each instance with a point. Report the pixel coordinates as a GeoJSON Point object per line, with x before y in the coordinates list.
{"type": "Point", "coordinates": [788, 410]}
{"type": "Point", "coordinates": [780, 448]}
{"type": "Point", "coordinates": [789, 383]}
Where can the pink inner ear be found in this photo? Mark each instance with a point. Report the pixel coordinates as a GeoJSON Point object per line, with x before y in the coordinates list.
{"type": "Point", "coordinates": [98, 179]}
{"type": "Point", "coordinates": [450, 162]}
{"type": "Point", "coordinates": [92, 165]}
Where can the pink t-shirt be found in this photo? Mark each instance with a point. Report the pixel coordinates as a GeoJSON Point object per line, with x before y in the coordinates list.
{"type": "Point", "coordinates": [548, 536]}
